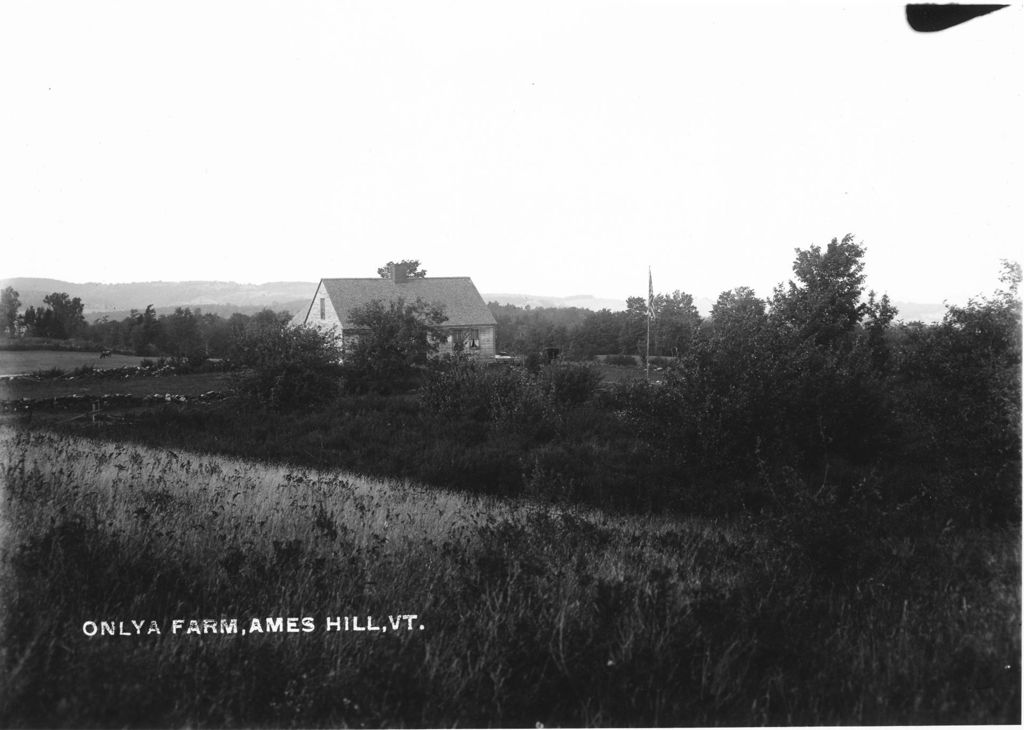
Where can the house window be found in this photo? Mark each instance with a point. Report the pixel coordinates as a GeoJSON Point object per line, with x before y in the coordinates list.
{"type": "Point", "coordinates": [323, 308]}
{"type": "Point", "coordinates": [465, 340]}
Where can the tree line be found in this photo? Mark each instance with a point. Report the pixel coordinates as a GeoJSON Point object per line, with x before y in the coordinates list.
{"type": "Point", "coordinates": [581, 334]}
{"type": "Point", "coordinates": [185, 333]}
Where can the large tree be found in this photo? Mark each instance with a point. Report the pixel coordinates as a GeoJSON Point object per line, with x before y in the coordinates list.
{"type": "Point", "coordinates": [823, 304]}
{"type": "Point", "coordinates": [60, 319]}
{"type": "Point", "coordinates": [633, 335]}
{"type": "Point", "coordinates": [674, 323]}
{"type": "Point", "coordinates": [597, 334]}
{"type": "Point", "coordinates": [412, 269]}
{"type": "Point", "coordinates": [287, 367]}
{"type": "Point", "coordinates": [144, 331]}
{"type": "Point", "coordinates": [9, 305]}
{"type": "Point", "coordinates": [180, 334]}
{"type": "Point", "coordinates": [396, 337]}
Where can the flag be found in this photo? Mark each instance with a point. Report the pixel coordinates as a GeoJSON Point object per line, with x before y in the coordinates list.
{"type": "Point", "coordinates": [650, 294]}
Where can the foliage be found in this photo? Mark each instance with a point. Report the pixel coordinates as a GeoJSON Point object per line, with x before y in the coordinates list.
{"type": "Point", "coordinates": [528, 330]}
{"type": "Point", "coordinates": [511, 399]}
{"type": "Point", "coordinates": [958, 395]}
{"type": "Point", "coordinates": [582, 334]}
{"type": "Point", "coordinates": [393, 339]}
{"type": "Point", "coordinates": [532, 615]}
{"type": "Point", "coordinates": [633, 334]}
{"type": "Point", "coordinates": [9, 305]}
{"type": "Point", "coordinates": [570, 384]}
{"type": "Point", "coordinates": [596, 334]}
{"type": "Point", "coordinates": [863, 476]}
{"type": "Point", "coordinates": [412, 269]}
{"type": "Point", "coordinates": [824, 303]}
{"type": "Point", "coordinates": [628, 361]}
{"type": "Point", "coordinates": [61, 318]}
{"type": "Point", "coordinates": [144, 331]}
{"type": "Point", "coordinates": [180, 334]}
{"type": "Point", "coordinates": [187, 332]}
{"type": "Point", "coordinates": [674, 323]}
{"type": "Point", "coordinates": [291, 367]}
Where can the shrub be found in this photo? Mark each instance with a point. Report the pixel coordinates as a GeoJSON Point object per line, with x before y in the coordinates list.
{"type": "Point", "coordinates": [513, 400]}
{"type": "Point", "coordinates": [457, 387]}
{"type": "Point", "coordinates": [396, 343]}
{"type": "Point", "coordinates": [49, 373]}
{"type": "Point", "coordinates": [290, 366]}
{"type": "Point", "coordinates": [570, 384]}
{"type": "Point", "coordinates": [621, 360]}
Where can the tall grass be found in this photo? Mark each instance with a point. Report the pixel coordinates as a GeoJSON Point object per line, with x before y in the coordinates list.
{"type": "Point", "coordinates": [531, 614]}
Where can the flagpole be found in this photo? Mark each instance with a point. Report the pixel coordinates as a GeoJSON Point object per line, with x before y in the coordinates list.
{"type": "Point", "coordinates": [650, 306]}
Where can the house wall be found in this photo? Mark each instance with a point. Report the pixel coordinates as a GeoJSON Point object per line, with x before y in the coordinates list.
{"type": "Point", "coordinates": [486, 349]}
{"type": "Point", "coordinates": [331, 316]}
{"type": "Point", "coordinates": [331, 320]}
{"type": "Point", "coordinates": [487, 341]}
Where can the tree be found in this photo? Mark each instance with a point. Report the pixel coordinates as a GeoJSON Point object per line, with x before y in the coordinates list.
{"type": "Point", "coordinates": [412, 269]}
{"type": "Point", "coordinates": [289, 367]}
{"type": "Point", "coordinates": [736, 310]}
{"type": "Point", "coordinates": [60, 319]}
{"type": "Point", "coordinates": [633, 335]}
{"type": "Point", "coordinates": [958, 396]}
{"type": "Point", "coordinates": [597, 334]}
{"type": "Point", "coordinates": [67, 313]}
{"type": "Point", "coordinates": [180, 334]}
{"type": "Point", "coordinates": [828, 363]}
{"type": "Point", "coordinates": [824, 303]}
{"type": "Point", "coordinates": [144, 331]}
{"type": "Point", "coordinates": [878, 316]}
{"type": "Point", "coordinates": [674, 323]}
{"type": "Point", "coordinates": [9, 305]}
{"type": "Point", "coordinates": [395, 337]}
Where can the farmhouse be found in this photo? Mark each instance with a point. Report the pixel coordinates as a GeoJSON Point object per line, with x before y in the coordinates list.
{"type": "Point", "coordinates": [470, 324]}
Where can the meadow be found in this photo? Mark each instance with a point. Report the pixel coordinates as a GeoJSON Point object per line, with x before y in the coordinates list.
{"type": "Point", "coordinates": [532, 613]}
{"type": "Point", "coordinates": [19, 362]}
{"type": "Point", "coordinates": [102, 382]}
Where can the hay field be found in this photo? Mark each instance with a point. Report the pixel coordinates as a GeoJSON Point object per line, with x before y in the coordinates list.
{"type": "Point", "coordinates": [530, 614]}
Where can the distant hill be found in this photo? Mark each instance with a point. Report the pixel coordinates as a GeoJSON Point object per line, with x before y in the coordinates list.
{"type": "Point", "coordinates": [583, 301]}
{"type": "Point", "coordinates": [914, 312]}
{"type": "Point", "coordinates": [219, 297]}
{"type": "Point", "coordinates": [227, 297]}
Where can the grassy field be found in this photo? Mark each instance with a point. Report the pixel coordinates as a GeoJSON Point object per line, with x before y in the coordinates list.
{"type": "Point", "coordinates": [530, 613]}
{"type": "Point", "coordinates": [188, 385]}
{"type": "Point", "coordinates": [17, 362]}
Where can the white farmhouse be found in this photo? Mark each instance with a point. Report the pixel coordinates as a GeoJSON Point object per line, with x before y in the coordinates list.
{"type": "Point", "coordinates": [469, 321]}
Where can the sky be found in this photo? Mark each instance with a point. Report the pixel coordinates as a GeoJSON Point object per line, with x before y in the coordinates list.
{"type": "Point", "coordinates": [550, 148]}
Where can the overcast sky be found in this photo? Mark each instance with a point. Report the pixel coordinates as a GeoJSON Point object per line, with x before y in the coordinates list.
{"type": "Point", "coordinates": [552, 148]}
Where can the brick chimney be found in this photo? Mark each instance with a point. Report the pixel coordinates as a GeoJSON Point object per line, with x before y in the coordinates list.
{"type": "Point", "coordinates": [398, 273]}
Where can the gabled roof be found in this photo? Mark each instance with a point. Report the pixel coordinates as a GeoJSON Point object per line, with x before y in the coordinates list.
{"type": "Point", "coordinates": [462, 302]}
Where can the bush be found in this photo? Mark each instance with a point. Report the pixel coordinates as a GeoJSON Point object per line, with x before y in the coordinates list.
{"type": "Point", "coordinates": [570, 384]}
{"type": "Point", "coordinates": [513, 399]}
{"type": "Point", "coordinates": [397, 341]}
{"type": "Point", "coordinates": [49, 373]}
{"type": "Point", "coordinates": [459, 388]}
{"type": "Point", "coordinates": [290, 366]}
{"type": "Point", "coordinates": [628, 361]}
